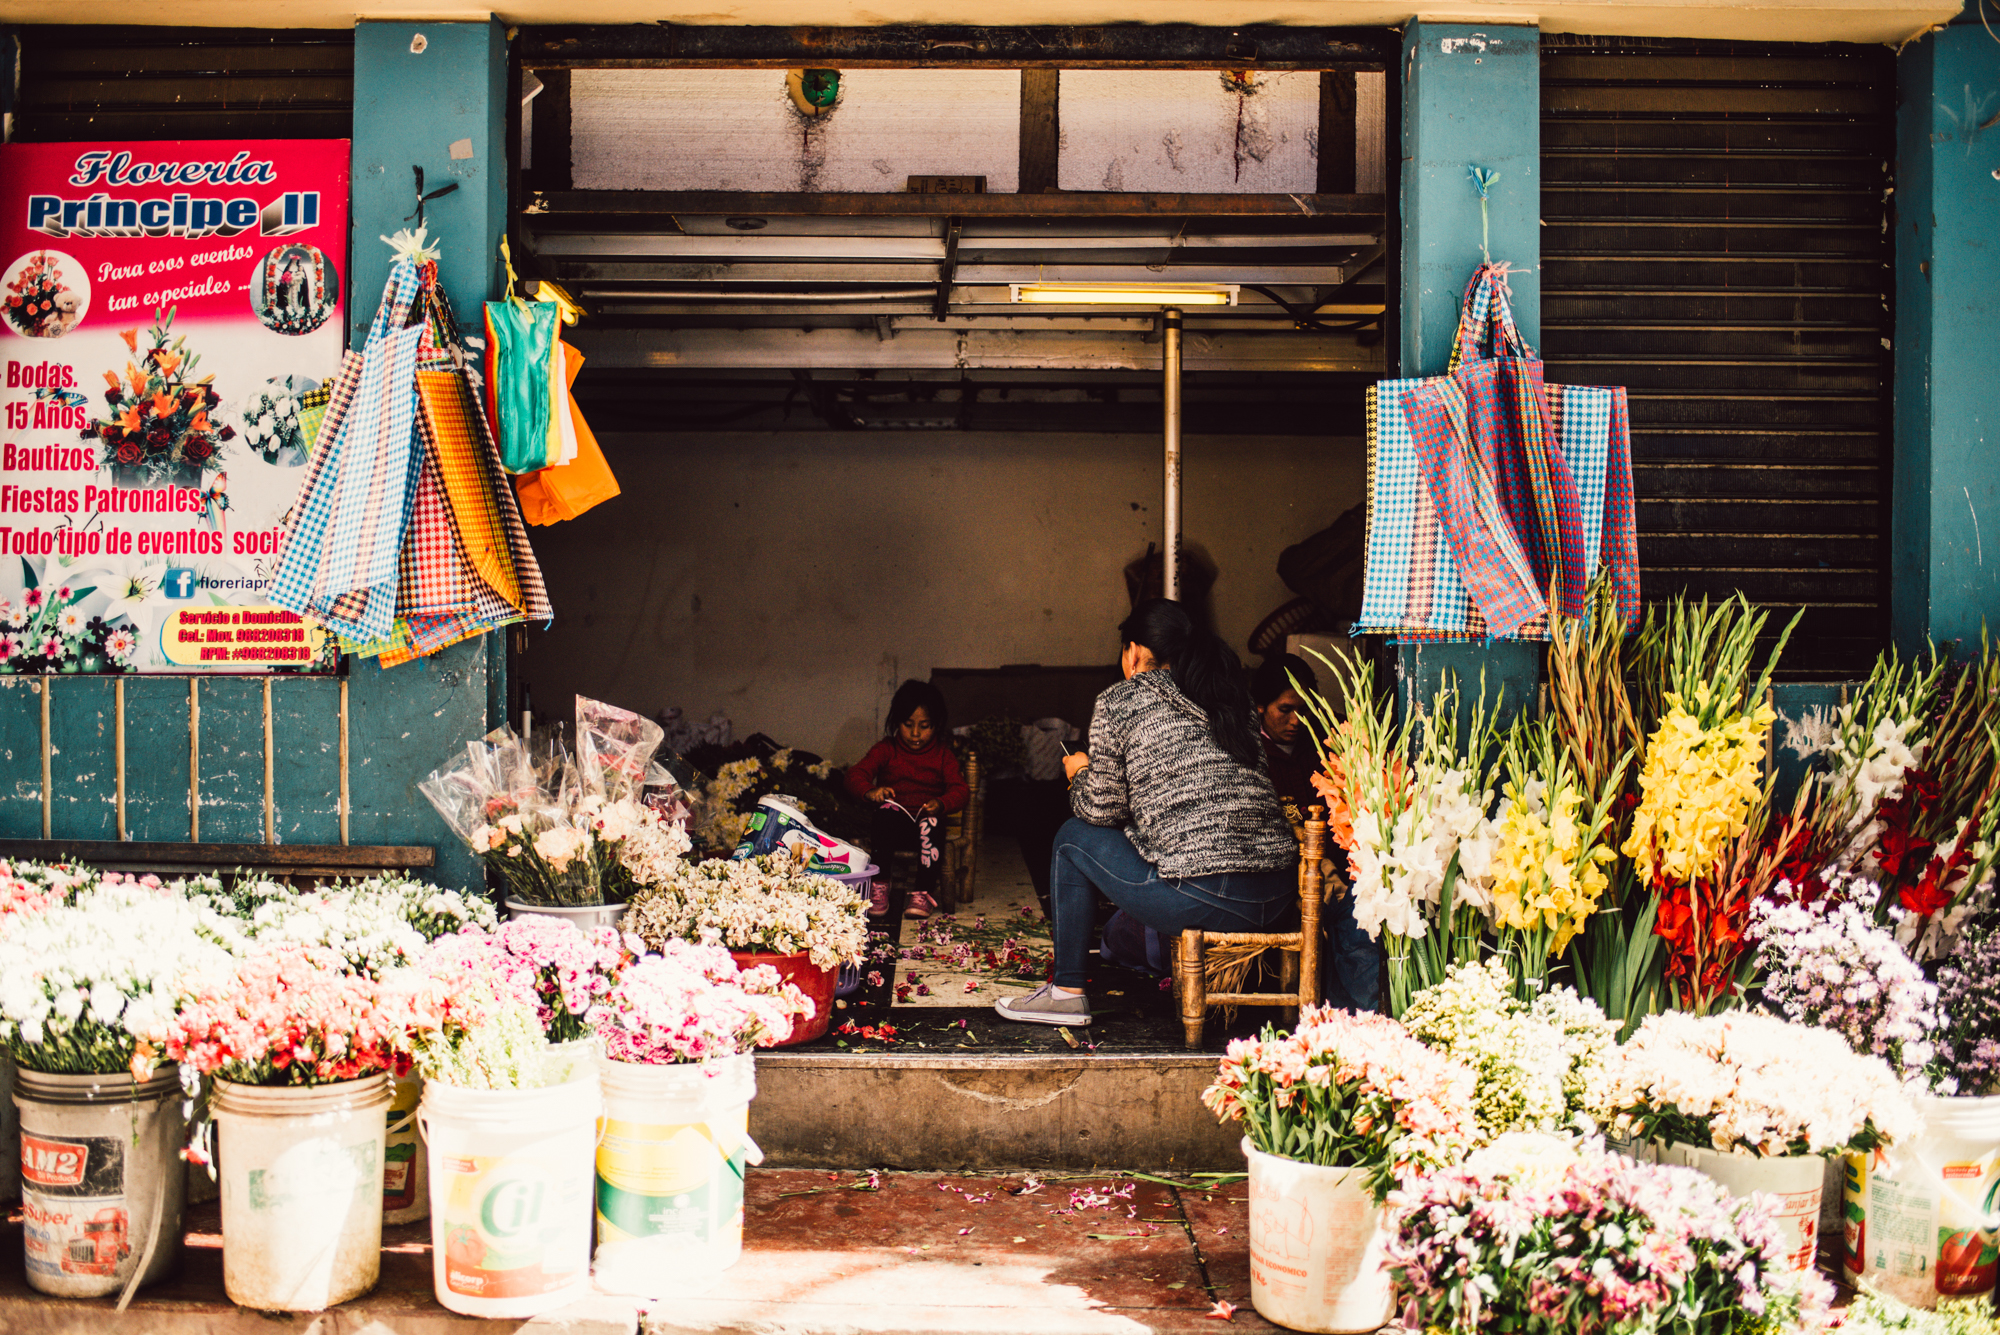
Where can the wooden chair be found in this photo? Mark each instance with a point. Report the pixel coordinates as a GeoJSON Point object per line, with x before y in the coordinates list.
{"type": "Point", "coordinates": [1298, 969]}
{"type": "Point", "coordinates": [960, 833]}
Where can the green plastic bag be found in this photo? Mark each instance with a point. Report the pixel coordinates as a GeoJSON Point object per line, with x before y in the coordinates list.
{"type": "Point", "coordinates": [520, 345]}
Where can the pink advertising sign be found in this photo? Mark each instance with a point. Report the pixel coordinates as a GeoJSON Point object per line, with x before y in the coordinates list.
{"type": "Point", "coordinates": [170, 316]}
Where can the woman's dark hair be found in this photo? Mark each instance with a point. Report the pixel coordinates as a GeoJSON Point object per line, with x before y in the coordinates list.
{"type": "Point", "coordinates": [1274, 676]}
{"type": "Point", "coordinates": [1206, 669]}
{"type": "Point", "coordinates": [913, 695]}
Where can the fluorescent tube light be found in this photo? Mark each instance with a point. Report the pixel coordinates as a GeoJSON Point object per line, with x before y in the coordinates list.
{"type": "Point", "coordinates": [1125, 294]}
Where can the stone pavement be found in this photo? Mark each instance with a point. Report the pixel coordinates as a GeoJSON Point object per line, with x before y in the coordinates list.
{"type": "Point", "coordinates": [824, 1254]}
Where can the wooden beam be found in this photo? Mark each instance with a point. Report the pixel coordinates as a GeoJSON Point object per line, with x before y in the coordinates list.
{"type": "Point", "coordinates": [897, 46]}
{"type": "Point", "coordinates": [1336, 132]}
{"type": "Point", "coordinates": [278, 856]}
{"type": "Point", "coordinates": [628, 206]}
{"type": "Point", "coordinates": [1041, 129]}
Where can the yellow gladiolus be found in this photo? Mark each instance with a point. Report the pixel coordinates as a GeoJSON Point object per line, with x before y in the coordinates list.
{"type": "Point", "coordinates": [1697, 789]}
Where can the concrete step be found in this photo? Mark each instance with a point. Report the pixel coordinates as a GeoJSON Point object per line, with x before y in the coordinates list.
{"type": "Point", "coordinates": [937, 1112]}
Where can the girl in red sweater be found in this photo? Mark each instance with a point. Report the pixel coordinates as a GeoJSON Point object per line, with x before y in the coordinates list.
{"type": "Point", "coordinates": [914, 775]}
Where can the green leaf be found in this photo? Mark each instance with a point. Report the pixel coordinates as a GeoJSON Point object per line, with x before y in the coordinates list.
{"type": "Point", "coordinates": [28, 574]}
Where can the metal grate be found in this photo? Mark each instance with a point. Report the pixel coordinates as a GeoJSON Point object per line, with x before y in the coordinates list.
{"type": "Point", "coordinates": [1715, 239]}
{"type": "Point", "coordinates": [184, 83]}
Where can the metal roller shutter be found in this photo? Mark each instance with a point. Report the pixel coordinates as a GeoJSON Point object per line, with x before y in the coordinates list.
{"type": "Point", "coordinates": [184, 83]}
{"type": "Point", "coordinates": [1714, 238]}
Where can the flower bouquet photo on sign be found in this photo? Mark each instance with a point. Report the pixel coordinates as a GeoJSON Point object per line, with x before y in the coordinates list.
{"type": "Point", "coordinates": [158, 430]}
{"type": "Point", "coordinates": [47, 632]}
{"type": "Point", "coordinates": [45, 294]}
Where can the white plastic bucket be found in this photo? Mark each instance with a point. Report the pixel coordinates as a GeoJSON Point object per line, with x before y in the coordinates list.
{"type": "Point", "coordinates": [1316, 1240]}
{"type": "Point", "coordinates": [301, 1191]}
{"type": "Point", "coordinates": [511, 1173]}
{"type": "Point", "coordinates": [406, 1196]}
{"type": "Point", "coordinates": [1793, 1181]}
{"type": "Point", "coordinates": [583, 916]}
{"type": "Point", "coordinates": [102, 1185]}
{"type": "Point", "coordinates": [670, 1174]}
{"type": "Point", "coordinates": [1922, 1223]}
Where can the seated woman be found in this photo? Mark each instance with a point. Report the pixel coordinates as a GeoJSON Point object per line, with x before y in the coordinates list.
{"type": "Point", "coordinates": [1175, 819]}
{"type": "Point", "coordinates": [1290, 754]}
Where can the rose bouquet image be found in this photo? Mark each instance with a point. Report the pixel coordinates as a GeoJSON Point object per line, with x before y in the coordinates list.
{"type": "Point", "coordinates": [159, 429]}
{"type": "Point", "coordinates": [39, 303]}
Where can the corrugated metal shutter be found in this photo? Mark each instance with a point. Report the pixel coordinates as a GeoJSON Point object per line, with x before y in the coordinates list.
{"type": "Point", "coordinates": [1714, 239]}
{"type": "Point", "coordinates": [184, 83]}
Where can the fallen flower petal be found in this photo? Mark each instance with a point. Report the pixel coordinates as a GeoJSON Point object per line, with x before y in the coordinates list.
{"type": "Point", "coordinates": [1224, 1310]}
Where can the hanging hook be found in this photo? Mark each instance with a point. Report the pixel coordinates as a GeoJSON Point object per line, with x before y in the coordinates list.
{"type": "Point", "coordinates": [423, 199]}
{"type": "Point", "coordinates": [1483, 180]}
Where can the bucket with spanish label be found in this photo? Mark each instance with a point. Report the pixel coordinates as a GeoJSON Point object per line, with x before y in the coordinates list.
{"type": "Point", "coordinates": [406, 1196]}
{"type": "Point", "coordinates": [1923, 1223]}
{"type": "Point", "coordinates": [102, 1183]}
{"type": "Point", "coordinates": [510, 1175]}
{"type": "Point", "coordinates": [301, 1173]}
{"type": "Point", "coordinates": [670, 1174]}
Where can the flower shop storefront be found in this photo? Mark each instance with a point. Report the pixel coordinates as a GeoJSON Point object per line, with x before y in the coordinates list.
{"type": "Point", "coordinates": [1633, 974]}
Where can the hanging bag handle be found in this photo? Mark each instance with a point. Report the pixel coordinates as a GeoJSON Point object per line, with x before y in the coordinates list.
{"type": "Point", "coordinates": [1486, 327]}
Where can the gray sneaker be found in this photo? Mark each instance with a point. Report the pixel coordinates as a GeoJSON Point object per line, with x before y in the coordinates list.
{"type": "Point", "coordinates": [1043, 1006]}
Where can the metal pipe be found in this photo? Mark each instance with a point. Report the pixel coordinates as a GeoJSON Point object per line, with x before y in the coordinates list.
{"type": "Point", "coordinates": [1170, 396]}
{"type": "Point", "coordinates": [194, 760]}
{"type": "Point", "coordinates": [270, 786]}
{"type": "Point", "coordinates": [742, 297]}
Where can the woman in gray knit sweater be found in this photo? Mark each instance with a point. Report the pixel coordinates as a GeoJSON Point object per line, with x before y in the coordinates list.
{"type": "Point", "coordinates": [1174, 817]}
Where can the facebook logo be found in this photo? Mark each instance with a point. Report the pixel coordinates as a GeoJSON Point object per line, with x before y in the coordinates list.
{"type": "Point", "coordinates": [178, 583]}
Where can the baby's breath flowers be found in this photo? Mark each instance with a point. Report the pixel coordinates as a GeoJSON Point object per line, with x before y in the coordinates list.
{"type": "Point", "coordinates": [1534, 1062]}
{"type": "Point", "coordinates": [1830, 966]}
{"type": "Point", "coordinates": [764, 903]}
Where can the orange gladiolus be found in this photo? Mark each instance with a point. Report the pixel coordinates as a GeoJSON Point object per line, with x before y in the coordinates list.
{"type": "Point", "coordinates": [1331, 784]}
{"type": "Point", "coordinates": [131, 337]}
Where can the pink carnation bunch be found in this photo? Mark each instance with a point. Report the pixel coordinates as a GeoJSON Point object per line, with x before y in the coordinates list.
{"type": "Point", "coordinates": [31, 887]}
{"type": "Point", "coordinates": [690, 1003]}
{"type": "Point", "coordinates": [1348, 1089]}
{"type": "Point", "coordinates": [1534, 1235]}
{"type": "Point", "coordinates": [572, 970]}
{"type": "Point", "coordinates": [285, 1014]}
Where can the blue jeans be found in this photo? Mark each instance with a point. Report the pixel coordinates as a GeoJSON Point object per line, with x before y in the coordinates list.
{"type": "Point", "coordinates": [1356, 983]}
{"type": "Point", "coordinates": [1091, 858]}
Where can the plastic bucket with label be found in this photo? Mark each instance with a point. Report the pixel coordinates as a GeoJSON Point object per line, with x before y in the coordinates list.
{"type": "Point", "coordinates": [1923, 1222]}
{"type": "Point", "coordinates": [301, 1191]}
{"type": "Point", "coordinates": [510, 1176]}
{"type": "Point", "coordinates": [406, 1196]}
{"type": "Point", "coordinates": [1316, 1239]}
{"type": "Point", "coordinates": [102, 1183]}
{"type": "Point", "coordinates": [1793, 1181]}
{"type": "Point", "coordinates": [670, 1174]}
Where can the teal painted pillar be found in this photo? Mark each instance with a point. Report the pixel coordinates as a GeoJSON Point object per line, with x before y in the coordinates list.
{"type": "Point", "coordinates": [1946, 485]}
{"type": "Point", "coordinates": [1472, 95]}
{"type": "Point", "coordinates": [430, 95]}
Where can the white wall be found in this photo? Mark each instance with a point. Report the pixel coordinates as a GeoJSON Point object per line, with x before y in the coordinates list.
{"type": "Point", "coordinates": [792, 580]}
{"type": "Point", "coordinates": [1189, 130]}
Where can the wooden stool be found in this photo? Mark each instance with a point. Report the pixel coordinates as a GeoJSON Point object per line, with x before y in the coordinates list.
{"type": "Point", "coordinates": [1298, 970]}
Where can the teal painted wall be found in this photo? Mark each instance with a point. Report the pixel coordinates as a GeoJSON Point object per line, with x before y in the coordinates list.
{"type": "Point", "coordinates": [1947, 419]}
{"type": "Point", "coordinates": [1471, 94]}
